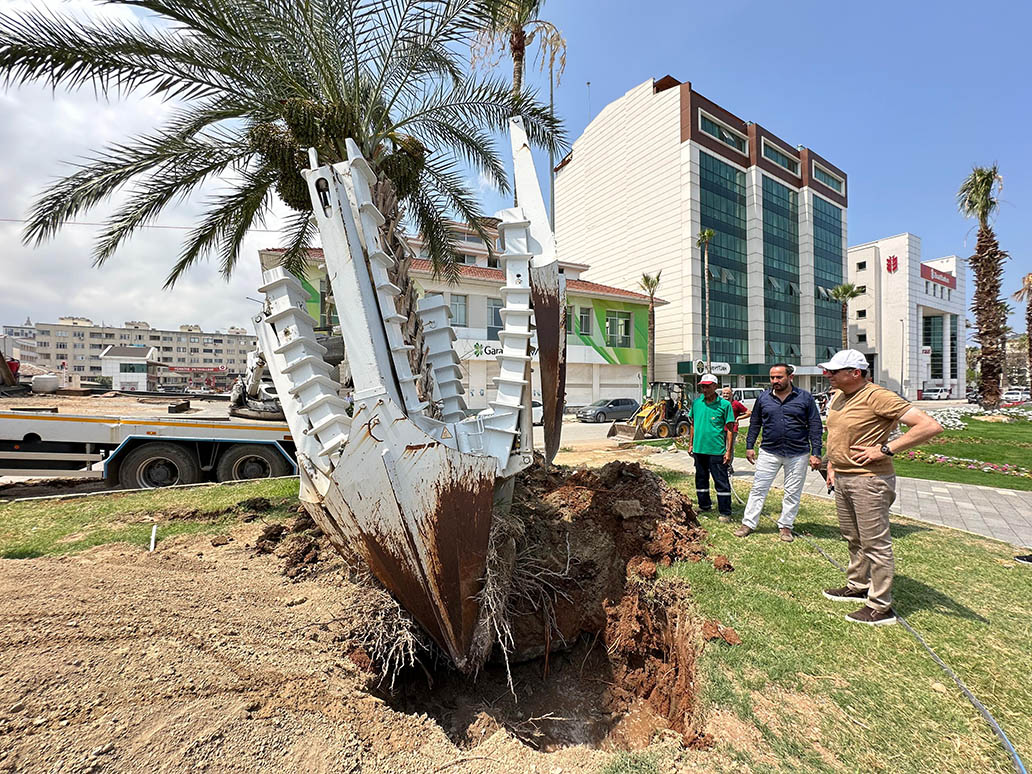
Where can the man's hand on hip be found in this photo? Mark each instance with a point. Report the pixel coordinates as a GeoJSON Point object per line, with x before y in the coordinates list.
{"type": "Point", "coordinates": [862, 455]}
{"type": "Point", "coordinates": [750, 454]}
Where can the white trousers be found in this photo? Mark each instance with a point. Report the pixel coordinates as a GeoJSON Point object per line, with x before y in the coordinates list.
{"type": "Point", "coordinates": [767, 467]}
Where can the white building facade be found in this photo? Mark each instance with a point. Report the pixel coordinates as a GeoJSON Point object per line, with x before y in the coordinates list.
{"type": "Point", "coordinates": [910, 319]}
{"type": "Point", "coordinates": [607, 330]}
{"type": "Point", "coordinates": [662, 163]}
{"type": "Point", "coordinates": [131, 369]}
{"type": "Point", "coordinates": [194, 357]}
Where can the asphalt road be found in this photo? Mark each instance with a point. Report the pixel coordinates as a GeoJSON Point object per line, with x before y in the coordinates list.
{"type": "Point", "coordinates": [576, 433]}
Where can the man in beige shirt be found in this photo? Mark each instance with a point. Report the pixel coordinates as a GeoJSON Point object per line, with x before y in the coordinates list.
{"type": "Point", "coordinates": [861, 416]}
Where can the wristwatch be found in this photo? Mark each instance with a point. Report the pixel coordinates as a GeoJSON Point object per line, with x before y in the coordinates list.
{"type": "Point", "coordinates": [886, 450]}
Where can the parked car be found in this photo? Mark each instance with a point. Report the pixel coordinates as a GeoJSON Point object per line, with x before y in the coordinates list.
{"type": "Point", "coordinates": [1014, 395]}
{"type": "Point", "coordinates": [936, 393]}
{"type": "Point", "coordinates": [747, 395]}
{"type": "Point", "coordinates": [972, 396]}
{"type": "Point", "coordinates": [608, 409]}
{"type": "Point", "coordinates": [537, 412]}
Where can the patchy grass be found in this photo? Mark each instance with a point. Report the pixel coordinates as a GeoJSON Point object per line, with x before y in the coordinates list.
{"type": "Point", "coordinates": [54, 527]}
{"type": "Point", "coordinates": [640, 762]}
{"type": "Point", "coordinates": [816, 693]}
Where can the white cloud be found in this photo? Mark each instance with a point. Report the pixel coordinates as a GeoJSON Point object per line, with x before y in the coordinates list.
{"type": "Point", "coordinates": [42, 132]}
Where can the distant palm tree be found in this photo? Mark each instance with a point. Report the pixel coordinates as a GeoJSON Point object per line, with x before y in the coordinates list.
{"type": "Point", "coordinates": [1024, 293]}
{"type": "Point", "coordinates": [845, 293]}
{"type": "Point", "coordinates": [261, 82]}
{"type": "Point", "coordinates": [512, 26]}
{"type": "Point", "coordinates": [649, 283]}
{"type": "Point", "coordinates": [705, 236]}
{"type": "Point", "coordinates": [978, 197]}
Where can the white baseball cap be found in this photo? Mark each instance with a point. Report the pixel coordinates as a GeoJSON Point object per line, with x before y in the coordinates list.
{"type": "Point", "coordinates": [708, 379]}
{"type": "Point", "coordinates": [846, 358]}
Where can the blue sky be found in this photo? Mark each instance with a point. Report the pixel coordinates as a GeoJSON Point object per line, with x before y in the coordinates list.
{"type": "Point", "coordinates": [886, 91]}
{"type": "Point", "coordinates": [905, 97]}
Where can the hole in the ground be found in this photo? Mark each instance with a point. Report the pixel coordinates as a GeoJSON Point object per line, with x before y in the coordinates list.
{"type": "Point", "coordinates": [571, 705]}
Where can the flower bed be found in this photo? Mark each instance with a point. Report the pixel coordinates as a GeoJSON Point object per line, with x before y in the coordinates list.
{"type": "Point", "coordinates": [929, 458]}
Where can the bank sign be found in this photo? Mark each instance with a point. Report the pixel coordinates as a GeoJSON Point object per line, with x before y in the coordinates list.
{"type": "Point", "coordinates": [484, 350]}
{"type": "Point", "coordinates": [938, 277]}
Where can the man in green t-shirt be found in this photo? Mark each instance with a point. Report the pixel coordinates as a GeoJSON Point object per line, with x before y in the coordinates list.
{"type": "Point", "coordinates": [712, 420]}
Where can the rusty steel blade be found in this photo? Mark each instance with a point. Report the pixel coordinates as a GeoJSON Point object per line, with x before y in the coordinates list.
{"type": "Point", "coordinates": [550, 317]}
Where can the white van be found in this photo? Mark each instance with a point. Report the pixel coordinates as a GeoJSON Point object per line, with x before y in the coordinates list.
{"type": "Point", "coordinates": [747, 395]}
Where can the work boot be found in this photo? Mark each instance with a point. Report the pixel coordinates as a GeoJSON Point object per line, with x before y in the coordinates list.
{"type": "Point", "coordinates": [724, 519]}
{"type": "Point", "coordinates": [871, 617]}
{"type": "Point", "coordinates": [786, 534]}
{"type": "Point", "coordinates": [743, 531]}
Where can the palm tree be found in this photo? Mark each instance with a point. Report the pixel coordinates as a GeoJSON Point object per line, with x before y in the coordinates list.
{"type": "Point", "coordinates": [705, 235]}
{"type": "Point", "coordinates": [978, 197]}
{"type": "Point", "coordinates": [649, 283]}
{"type": "Point", "coordinates": [261, 82]}
{"type": "Point", "coordinates": [512, 26]}
{"type": "Point", "coordinates": [1024, 293]}
{"type": "Point", "coordinates": [845, 293]}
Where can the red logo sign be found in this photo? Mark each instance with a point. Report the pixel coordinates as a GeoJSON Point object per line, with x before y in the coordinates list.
{"type": "Point", "coordinates": [938, 277]}
{"type": "Point", "coordinates": [892, 264]}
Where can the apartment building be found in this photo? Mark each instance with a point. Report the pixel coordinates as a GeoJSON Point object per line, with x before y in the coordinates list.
{"type": "Point", "coordinates": [660, 164]}
{"type": "Point", "coordinates": [909, 321]}
{"type": "Point", "coordinates": [607, 337]}
{"type": "Point", "coordinates": [193, 357]}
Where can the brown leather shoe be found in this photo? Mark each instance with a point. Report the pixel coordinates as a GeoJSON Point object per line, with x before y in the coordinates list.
{"type": "Point", "coordinates": [871, 617]}
{"type": "Point", "coordinates": [786, 534]}
{"type": "Point", "coordinates": [743, 531]}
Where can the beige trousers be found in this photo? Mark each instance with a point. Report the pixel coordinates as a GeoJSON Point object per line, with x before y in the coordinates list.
{"type": "Point", "coordinates": [863, 504]}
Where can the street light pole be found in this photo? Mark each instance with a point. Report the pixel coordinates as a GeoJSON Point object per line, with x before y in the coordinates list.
{"type": "Point", "coordinates": [902, 353]}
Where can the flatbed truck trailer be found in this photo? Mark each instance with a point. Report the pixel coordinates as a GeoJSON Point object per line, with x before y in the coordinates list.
{"type": "Point", "coordinates": [143, 452]}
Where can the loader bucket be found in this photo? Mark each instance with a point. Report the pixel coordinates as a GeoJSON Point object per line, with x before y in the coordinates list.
{"type": "Point", "coordinates": [626, 431]}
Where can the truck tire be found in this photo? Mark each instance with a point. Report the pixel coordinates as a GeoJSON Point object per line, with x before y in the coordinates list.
{"type": "Point", "coordinates": [664, 430]}
{"type": "Point", "coordinates": [682, 429]}
{"type": "Point", "coordinates": [251, 460]}
{"type": "Point", "coordinates": [154, 465]}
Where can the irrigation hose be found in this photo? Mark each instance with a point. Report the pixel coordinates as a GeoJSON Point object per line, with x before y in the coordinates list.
{"type": "Point", "coordinates": [1019, 766]}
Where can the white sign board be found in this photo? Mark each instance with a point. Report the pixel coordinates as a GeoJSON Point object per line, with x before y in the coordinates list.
{"type": "Point", "coordinates": [717, 369]}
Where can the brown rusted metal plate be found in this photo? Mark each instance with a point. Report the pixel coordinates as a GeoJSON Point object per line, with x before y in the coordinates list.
{"type": "Point", "coordinates": [419, 513]}
{"type": "Point", "coordinates": [550, 321]}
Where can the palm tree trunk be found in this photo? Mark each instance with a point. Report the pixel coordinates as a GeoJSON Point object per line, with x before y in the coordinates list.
{"type": "Point", "coordinates": [845, 325]}
{"type": "Point", "coordinates": [987, 266]}
{"type": "Point", "coordinates": [1028, 339]}
{"type": "Point", "coordinates": [412, 331]}
{"type": "Point", "coordinates": [518, 50]}
{"type": "Point", "coordinates": [705, 274]}
{"type": "Point", "coordinates": [650, 369]}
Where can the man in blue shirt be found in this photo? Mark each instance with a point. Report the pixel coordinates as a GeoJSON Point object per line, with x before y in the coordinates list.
{"type": "Point", "coordinates": [791, 427]}
{"type": "Point", "coordinates": [711, 420]}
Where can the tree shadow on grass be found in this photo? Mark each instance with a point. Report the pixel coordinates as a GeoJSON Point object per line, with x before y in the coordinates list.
{"type": "Point", "coordinates": [910, 595]}
{"type": "Point", "coordinates": [21, 553]}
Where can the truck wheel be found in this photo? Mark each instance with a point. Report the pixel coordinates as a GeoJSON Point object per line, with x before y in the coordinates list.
{"type": "Point", "coordinates": [682, 429]}
{"type": "Point", "coordinates": [251, 460]}
{"type": "Point", "coordinates": [158, 464]}
{"type": "Point", "coordinates": [663, 430]}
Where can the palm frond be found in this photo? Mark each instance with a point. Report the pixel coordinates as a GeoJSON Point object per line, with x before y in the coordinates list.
{"type": "Point", "coordinates": [225, 224]}
{"type": "Point", "coordinates": [299, 234]}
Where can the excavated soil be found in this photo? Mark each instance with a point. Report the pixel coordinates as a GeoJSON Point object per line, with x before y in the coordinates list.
{"type": "Point", "coordinates": [254, 650]}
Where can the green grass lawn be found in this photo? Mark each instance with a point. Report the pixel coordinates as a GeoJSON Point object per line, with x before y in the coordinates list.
{"type": "Point", "coordinates": [51, 527]}
{"type": "Point", "coordinates": [879, 703]}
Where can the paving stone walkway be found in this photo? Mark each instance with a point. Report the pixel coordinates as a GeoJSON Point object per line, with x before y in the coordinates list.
{"type": "Point", "coordinates": [1002, 514]}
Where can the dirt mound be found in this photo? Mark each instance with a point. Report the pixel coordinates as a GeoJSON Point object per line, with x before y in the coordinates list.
{"type": "Point", "coordinates": [603, 650]}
